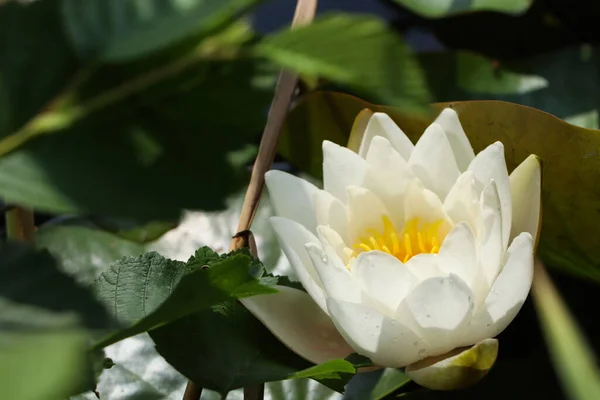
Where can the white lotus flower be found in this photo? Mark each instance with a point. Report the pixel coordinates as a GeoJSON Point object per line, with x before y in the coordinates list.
{"type": "Point", "coordinates": [411, 251]}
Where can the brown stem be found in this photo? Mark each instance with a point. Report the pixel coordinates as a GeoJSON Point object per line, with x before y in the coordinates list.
{"type": "Point", "coordinates": [20, 224]}
{"type": "Point", "coordinates": [192, 391]}
{"type": "Point", "coordinates": [284, 92]}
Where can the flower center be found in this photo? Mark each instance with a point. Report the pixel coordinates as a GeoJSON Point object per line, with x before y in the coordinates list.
{"type": "Point", "coordinates": [415, 238]}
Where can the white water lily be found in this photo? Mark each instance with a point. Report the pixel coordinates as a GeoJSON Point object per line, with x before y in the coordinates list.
{"type": "Point", "coordinates": [412, 251]}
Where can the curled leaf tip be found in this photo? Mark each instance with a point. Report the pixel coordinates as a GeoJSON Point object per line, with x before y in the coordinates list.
{"type": "Point", "coordinates": [458, 369]}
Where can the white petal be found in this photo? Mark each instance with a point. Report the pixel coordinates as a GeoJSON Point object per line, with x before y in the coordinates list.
{"type": "Point", "coordinates": [525, 189]}
{"type": "Point", "coordinates": [383, 278]}
{"type": "Point", "coordinates": [490, 165]}
{"type": "Point", "coordinates": [341, 168]}
{"type": "Point", "coordinates": [331, 212]}
{"type": "Point", "coordinates": [462, 203]}
{"type": "Point", "coordinates": [332, 239]}
{"type": "Point", "coordinates": [387, 342]}
{"type": "Point", "coordinates": [458, 254]}
{"type": "Point", "coordinates": [293, 198]}
{"type": "Point", "coordinates": [337, 280]}
{"type": "Point", "coordinates": [292, 237]}
{"type": "Point", "coordinates": [461, 147]}
{"type": "Point", "coordinates": [507, 295]}
{"type": "Point", "coordinates": [433, 161]}
{"type": "Point", "coordinates": [297, 321]}
{"type": "Point", "coordinates": [424, 266]}
{"type": "Point", "coordinates": [490, 241]}
{"type": "Point", "coordinates": [441, 307]}
{"type": "Point", "coordinates": [382, 125]}
{"type": "Point", "coordinates": [388, 176]}
{"type": "Point", "coordinates": [422, 203]}
{"type": "Point", "coordinates": [365, 211]}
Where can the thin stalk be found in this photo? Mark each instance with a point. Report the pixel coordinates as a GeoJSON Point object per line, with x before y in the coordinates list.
{"type": "Point", "coordinates": [284, 92]}
{"type": "Point", "coordinates": [20, 224]}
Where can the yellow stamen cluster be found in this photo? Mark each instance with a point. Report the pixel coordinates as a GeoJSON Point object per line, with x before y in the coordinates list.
{"type": "Point", "coordinates": [415, 238]}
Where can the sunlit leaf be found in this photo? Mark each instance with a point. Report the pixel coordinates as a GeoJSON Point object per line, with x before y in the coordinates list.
{"type": "Point", "coordinates": [149, 291]}
{"type": "Point", "coordinates": [438, 9]}
{"type": "Point", "coordinates": [357, 51]}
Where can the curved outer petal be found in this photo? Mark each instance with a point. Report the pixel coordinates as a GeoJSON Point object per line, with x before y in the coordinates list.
{"type": "Point", "coordinates": [293, 237]}
{"type": "Point", "coordinates": [461, 147]}
{"type": "Point", "coordinates": [383, 278]}
{"type": "Point", "coordinates": [293, 198]}
{"type": "Point", "coordinates": [337, 281]}
{"type": "Point", "coordinates": [440, 308]}
{"type": "Point", "coordinates": [490, 165]}
{"type": "Point", "coordinates": [433, 161]}
{"type": "Point", "coordinates": [341, 168]}
{"type": "Point", "coordinates": [310, 333]}
{"type": "Point", "coordinates": [382, 125]}
{"type": "Point", "coordinates": [458, 369]}
{"type": "Point", "coordinates": [526, 192]}
{"type": "Point", "coordinates": [387, 342]}
{"type": "Point", "coordinates": [507, 295]}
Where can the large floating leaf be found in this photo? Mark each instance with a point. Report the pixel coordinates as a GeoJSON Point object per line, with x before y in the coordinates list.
{"type": "Point", "coordinates": [149, 291]}
{"type": "Point", "coordinates": [358, 51]}
{"type": "Point", "coordinates": [569, 154]}
{"type": "Point", "coordinates": [443, 8]}
{"type": "Point", "coordinates": [116, 30]}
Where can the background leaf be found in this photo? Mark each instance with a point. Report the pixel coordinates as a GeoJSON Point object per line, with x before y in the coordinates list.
{"type": "Point", "coordinates": [437, 8]}
{"type": "Point", "coordinates": [117, 30]}
{"type": "Point", "coordinates": [358, 51]}
{"type": "Point", "coordinates": [48, 365]}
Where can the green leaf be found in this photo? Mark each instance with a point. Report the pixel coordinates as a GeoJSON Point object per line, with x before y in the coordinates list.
{"type": "Point", "coordinates": [31, 278]}
{"type": "Point", "coordinates": [225, 348]}
{"type": "Point", "coordinates": [116, 30]}
{"type": "Point", "coordinates": [535, 81]}
{"type": "Point", "coordinates": [134, 231]}
{"type": "Point", "coordinates": [570, 167]}
{"type": "Point", "coordinates": [48, 365]}
{"type": "Point", "coordinates": [335, 374]}
{"type": "Point", "coordinates": [149, 154]}
{"type": "Point", "coordinates": [83, 252]}
{"type": "Point", "coordinates": [443, 8]}
{"type": "Point", "coordinates": [358, 51]}
{"type": "Point", "coordinates": [391, 380]}
{"type": "Point", "coordinates": [572, 356]}
{"type": "Point", "coordinates": [35, 60]}
{"type": "Point", "coordinates": [150, 291]}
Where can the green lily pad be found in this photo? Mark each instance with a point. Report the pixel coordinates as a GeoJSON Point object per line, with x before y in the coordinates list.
{"type": "Point", "coordinates": [570, 157]}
